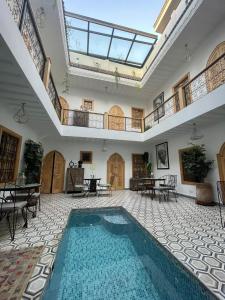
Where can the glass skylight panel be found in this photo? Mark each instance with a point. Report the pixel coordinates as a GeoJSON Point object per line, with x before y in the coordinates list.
{"type": "Point", "coordinates": [138, 53]}
{"type": "Point", "coordinates": [124, 34]}
{"type": "Point", "coordinates": [99, 44]}
{"type": "Point", "coordinates": [77, 40]}
{"type": "Point", "coordinates": [100, 39]}
{"type": "Point", "coordinates": [100, 28]}
{"type": "Point", "coordinates": [145, 39]}
{"type": "Point", "coordinates": [119, 49]}
{"type": "Point", "coordinates": [76, 23]}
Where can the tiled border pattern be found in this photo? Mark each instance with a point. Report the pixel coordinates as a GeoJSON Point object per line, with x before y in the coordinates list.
{"type": "Point", "coordinates": [192, 233]}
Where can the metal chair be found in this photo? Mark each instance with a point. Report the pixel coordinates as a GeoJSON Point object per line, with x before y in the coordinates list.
{"type": "Point", "coordinates": [169, 186]}
{"type": "Point", "coordinates": [10, 208]}
{"type": "Point", "coordinates": [106, 188]}
{"type": "Point", "coordinates": [221, 198]}
{"type": "Point", "coordinates": [33, 200]}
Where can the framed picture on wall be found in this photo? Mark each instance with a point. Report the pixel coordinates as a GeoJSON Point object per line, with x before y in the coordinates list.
{"type": "Point", "coordinates": [157, 103]}
{"type": "Point", "coordinates": [86, 157]}
{"type": "Point", "coordinates": [162, 156]}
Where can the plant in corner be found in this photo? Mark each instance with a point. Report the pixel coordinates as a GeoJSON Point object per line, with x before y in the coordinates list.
{"type": "Point", "coordinates": [197, 167]}
{"type": "Point", "coordinates": [33, 154]}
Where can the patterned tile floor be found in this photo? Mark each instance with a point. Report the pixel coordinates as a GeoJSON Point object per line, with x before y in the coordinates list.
{"type": "Point", "coordinates": [192, 233]}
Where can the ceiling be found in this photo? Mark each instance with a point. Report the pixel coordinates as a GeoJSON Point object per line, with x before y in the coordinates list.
{"type": "Point", "coordinates": [204, 21]}
{"type": "Point", "coordinates": [15, 89]}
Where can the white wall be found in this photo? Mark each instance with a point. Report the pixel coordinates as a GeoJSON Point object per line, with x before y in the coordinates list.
{"type": "Point", "coordinates": [214, 137]}
{"type": "Point", "coordinates": [70, 149]}
{"type": "Point", "coordinates": [102, 101]}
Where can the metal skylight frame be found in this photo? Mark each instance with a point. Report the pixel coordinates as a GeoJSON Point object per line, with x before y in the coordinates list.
{"type": "Point", "coordinates": [137, 38]}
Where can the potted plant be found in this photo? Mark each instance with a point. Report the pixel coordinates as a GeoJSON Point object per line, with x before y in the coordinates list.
{"type": "Point", "coordinates": [197, 167]}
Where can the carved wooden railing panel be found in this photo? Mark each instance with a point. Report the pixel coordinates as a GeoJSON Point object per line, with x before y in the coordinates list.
{"type": "Point", "coordinates": [83, 119]}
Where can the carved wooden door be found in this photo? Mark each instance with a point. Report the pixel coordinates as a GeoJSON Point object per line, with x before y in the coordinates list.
{"type": "Point", "coordinates": [65, 112]}
{"type": "Point", "coordinates": [116, 118]}
{"type": "Point", "coordinates": [116, 170]}
{"type": "Point", "coordinates": [53, 173]}
{"type": "Point", "coordinates": [215, 75]}
{"type": "Point", "coordinates": [137, 115]}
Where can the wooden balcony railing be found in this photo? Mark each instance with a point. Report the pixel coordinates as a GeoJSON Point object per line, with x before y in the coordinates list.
{"type": "Point", "coordinates": [23, 16]}
{"type": "Point", "coordinates": [205, 82]}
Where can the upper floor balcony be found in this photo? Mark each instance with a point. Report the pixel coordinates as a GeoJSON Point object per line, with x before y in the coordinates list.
{"type": "Point", "coordinates": [185, 95]}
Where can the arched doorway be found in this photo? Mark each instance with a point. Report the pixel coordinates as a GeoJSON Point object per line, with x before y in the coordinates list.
{"type": "Point", "coordinates": [116, 169]}
{"type": "Point", "coordinates": [215, 75]}
{"type": "Point", "coordinates": [53, 169]}
{"type": "Point", "coordinates": [116, 118]}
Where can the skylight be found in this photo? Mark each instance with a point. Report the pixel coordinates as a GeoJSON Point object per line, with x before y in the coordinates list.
{"type": "Point", "coordinates": [103, 40]}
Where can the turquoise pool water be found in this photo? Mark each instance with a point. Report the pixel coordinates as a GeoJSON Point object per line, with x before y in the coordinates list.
{"type": "Point", "coordinates": [106, 254]}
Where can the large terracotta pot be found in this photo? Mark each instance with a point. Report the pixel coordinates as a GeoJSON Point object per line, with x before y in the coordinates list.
{"type": "Point", "coordinates": [204, 194]}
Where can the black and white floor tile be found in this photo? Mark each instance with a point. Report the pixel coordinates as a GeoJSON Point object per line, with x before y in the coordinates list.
{"type": "Point", "coordinates": [191, 232]}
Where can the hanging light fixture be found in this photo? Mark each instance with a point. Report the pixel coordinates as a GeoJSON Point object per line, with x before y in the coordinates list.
{"type": "Point", "coordinates": [21, 116]}
{"type": "Point", "coordinates": [104, 148]}
{"type": "Point", "coordinates": [196, 135]}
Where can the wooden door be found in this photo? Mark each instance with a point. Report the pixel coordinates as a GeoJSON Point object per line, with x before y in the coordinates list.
{"type": "Point", "coordinates": [65, 112]}
{"type": "Point", "coordinates": [139, 169]}
{"type": "Point", "coordinates": [58, 173]}
{"type": "Point", "coordinates": [215, 75]}
{"type": "Point", "coordinates": [116, 169]}
{"type": "Point", "coordinates": [116, 118]}
{"type": "Point", "coordinates": [179, 101]}
{"type": "Point", "coordinates": [53, 169]}
{"type": "Point", "coordinates": [137, 115]}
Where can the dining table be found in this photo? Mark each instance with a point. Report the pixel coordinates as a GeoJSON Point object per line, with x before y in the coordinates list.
{"type": "Point", "coordinates": [11, 192]}
{"type": "Point", "coordinates": [149, 184]}
{"type": "Point", "coordinates": [15, 190]}
{"type": "Point", "coordinates": [92, 184]}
